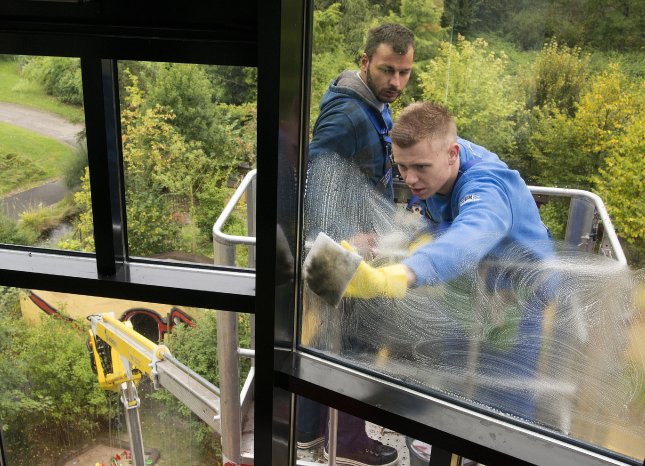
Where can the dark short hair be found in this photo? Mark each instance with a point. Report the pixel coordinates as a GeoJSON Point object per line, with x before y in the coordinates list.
{"type": "Point", "coordinates": [423, 120]}
{"type": "Point", "coordinates": [395, 35]}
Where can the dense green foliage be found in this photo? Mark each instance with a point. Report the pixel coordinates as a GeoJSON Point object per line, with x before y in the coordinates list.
{"type": "Point", "coordinates": [61, 77]}
{"type": "Point", "coordinates": [16, 88]}
{"type": "Point", "coordinates": [559, 112]}
{"type": "Point", "coordinates": [605, 25]}
{"type": "Point", "coordinates": [49, 399]}
{"type": "Point", "coordinates": [472, 81]}
{"type": "Point", "coordinates": [552, 86]}
{"type": "Point", "coordinates": [12, 232]}
{"type": "Point", "coordinates": [175, 171]}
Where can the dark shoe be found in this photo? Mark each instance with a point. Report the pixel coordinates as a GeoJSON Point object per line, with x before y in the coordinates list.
{"type": "Point", "coordinates": [375, 454]}
{"type": "Point", "coordinates": [307, 440]}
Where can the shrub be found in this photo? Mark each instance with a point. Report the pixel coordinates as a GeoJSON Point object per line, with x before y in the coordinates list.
{"type": "Point", "coordinates": [60, 77]}
{"type": "Point", "coordinates": [11, 232]}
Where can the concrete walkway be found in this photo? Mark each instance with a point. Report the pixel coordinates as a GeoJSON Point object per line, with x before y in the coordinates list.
{"type": "Point", "coordinates": [46, 194]}
{"type": "Point", "coordinates": [45, 123]}
{"type": "Point", "coordinates": [49, 125]}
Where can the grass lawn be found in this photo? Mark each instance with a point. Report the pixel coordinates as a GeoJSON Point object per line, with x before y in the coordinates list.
{"type": "Point", "coordinates": [20, 91]}
{"type": "Point", "coordinates": [27, 158]}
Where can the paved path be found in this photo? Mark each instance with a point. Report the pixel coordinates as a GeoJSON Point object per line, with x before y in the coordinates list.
{"type": "Point", "coordinates": [49, 125]}
{"type": "Point", "coordinates": [46, 194]}
{"type": "Point", "coordinates": [45, 123]}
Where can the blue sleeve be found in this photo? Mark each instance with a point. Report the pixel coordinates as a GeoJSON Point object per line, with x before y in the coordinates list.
{"type": "Point", "coordinates": [333, 133]}
{"type": "Point", "coordinates": [484, 219]}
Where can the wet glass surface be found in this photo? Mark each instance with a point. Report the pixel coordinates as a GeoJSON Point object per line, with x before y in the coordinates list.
{"type": "Point", "coordinates": [556, 342]}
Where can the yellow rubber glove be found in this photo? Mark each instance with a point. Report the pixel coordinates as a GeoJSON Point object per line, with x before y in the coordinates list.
{"type": "Point", "coordinates": [371, 282]}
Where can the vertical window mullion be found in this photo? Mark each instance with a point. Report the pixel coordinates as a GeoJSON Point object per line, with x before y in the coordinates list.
{"type": "Point", "coordinates": [101, 101]}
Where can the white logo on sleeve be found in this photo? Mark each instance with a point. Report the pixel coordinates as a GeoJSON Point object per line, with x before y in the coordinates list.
{"type": "Point", "coordinates": [469, 198]}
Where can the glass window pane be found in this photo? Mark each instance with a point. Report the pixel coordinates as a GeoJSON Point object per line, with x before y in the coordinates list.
{"type": "Point", "coordinates": [356, 440]}
{"type": "Point", "coordinates": [53, 409]}
{"type": "Point", "coordinates": [188, 140]}
{"type": "Point", "coordinates": [543, 331]}
{"type": "Point", "coordinates": [43, 154]}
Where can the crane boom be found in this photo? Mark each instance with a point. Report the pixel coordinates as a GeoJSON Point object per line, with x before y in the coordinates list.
{"type": "Point", "coordinates": [120, 355]}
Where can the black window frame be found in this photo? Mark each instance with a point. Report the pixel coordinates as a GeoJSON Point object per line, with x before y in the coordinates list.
{"type": "Point", "coordinates": [275, 37]}
{"type": "Point", "coordinates": [100, 34]}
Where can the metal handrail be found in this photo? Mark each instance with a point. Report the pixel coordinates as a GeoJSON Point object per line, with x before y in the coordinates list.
{"type": "Point", "coordinates": [235, 404]}
{"type": "Point", "coordinates": [600, 208]}
{"type": "Point", "coordinates": [225, 238]}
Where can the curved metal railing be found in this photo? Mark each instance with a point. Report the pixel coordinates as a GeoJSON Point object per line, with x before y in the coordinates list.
{"type": "Point", "coordinates": [609, 231]}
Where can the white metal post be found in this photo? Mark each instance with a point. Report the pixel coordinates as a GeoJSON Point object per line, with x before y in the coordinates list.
{"type": "Point", "coordinates": [130, 401]}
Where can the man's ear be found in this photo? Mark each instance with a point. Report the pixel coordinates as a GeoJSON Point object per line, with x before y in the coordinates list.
{"type": "Point", "coordinates": [453, 152]}
{"type": "Point", "coordinates": [364, 61]}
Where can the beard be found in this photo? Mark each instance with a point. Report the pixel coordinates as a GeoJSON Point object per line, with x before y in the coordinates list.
{"type": "Point", "coordinates": [386, 95]}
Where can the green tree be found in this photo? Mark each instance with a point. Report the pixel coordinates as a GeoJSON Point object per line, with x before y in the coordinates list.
{"type": "Point", "coordinates": [357, 17]}
{"type": "Point", "coordinates": [150, 145]}
{"type": "Point", "coordinates": [326, 30]}
{"type": "Point", "coordinates": [423, 18]}
{"type": "Point", "coordinates": [492, 15]}
{"type": "Point", "coordinates": [614, 24]}
{"type": "Point", "coordinates": [329, 56]}
{"type": "Point", "coordinates": [472, 82]}
{"type": "Point", "coordinates": [190, 173]}
{"type": "Point", "coordinates": [49, 398]}
{"type": "Point", "coordinates": [233, 84]}
{"type": "Point", "coordinates": [152, 228]}
{"type": "Point", "coordinates": [610, 106]}
{"type": "Point", "coordinates": [166, 174]}
{"type": "Point", "coordinates": [571, 151]}
{"type": "Point", "coordinates": [236, 154]}
{"type": "Point", "coordinates": [461, 15]}
{"type": "Point", "coordinates": [211, 200]}
{"type": "Point", "coordinates": [185, 91]}
{"type": "Point", "coordinates": [528, 27]}
{"type": "Point", "coordinates": [342, 26]}
{"type": "Point", "coordinates": [557, 78]}
{"type": "Point", "coordinates": [598, 149]}
{"type": "Point", "coordinates": [523, 158]}
{"type": "Point", "coordinates": [554, 143]}
{"type": "Point", "coordinates": [236, 133]}
{"type": "Point", "coordinates": [621, 185]}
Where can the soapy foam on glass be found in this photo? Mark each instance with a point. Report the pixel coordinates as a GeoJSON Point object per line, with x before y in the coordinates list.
{"type": "Point", "coordinates": [463, 339]}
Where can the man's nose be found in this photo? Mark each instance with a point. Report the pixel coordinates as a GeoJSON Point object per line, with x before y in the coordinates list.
{"type": "Point", "coordinates": [395, 80]}
{"type": "Point", "coordinates": [409, 177]}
